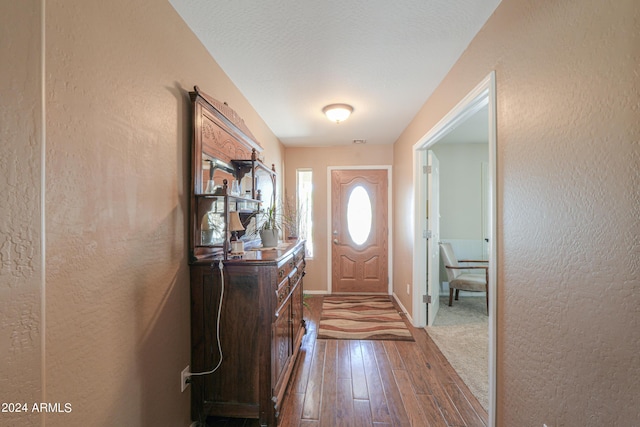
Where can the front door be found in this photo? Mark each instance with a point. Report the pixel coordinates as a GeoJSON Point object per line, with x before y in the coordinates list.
{"type": "Point", "coordinates": [359, 231]}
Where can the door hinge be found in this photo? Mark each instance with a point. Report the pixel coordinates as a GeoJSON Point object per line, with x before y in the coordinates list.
{"type": "Point", "coordinates": [426, 169]}
{"type": "Point", "coordinates": [427, 234]}
{"type": "Point", "coordinates": [426, 299]}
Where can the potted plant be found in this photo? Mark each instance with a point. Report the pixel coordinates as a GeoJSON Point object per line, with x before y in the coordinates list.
{"type": "Point", "coordinates": [270, 222]}
{"type": "Point", "coordinates": [269, 227]}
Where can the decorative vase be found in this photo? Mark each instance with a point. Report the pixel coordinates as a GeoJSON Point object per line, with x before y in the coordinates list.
{"type": "Point", "coordinates": [207, 227]}
{"type": "Point", "coordinates": [269, 238]}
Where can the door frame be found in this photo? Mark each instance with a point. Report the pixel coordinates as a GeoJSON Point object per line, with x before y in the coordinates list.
{"type": "Point", "coordinates": [388, 168]}
{"type": "Point", "coordinates": [484, 94]}
{"type": "Point", "coordinates": [432, 184]}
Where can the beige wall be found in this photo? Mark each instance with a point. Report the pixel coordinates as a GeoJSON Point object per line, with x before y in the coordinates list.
{"type": "Point", "coordinates": [117, 300]}
{"type": "Point", "coordinates": [318, 159]}
{"type": "Point", "coordinates": [117, 164]}
{"type": "Point", "coordinates": [21, 265]}
{"type": "Point", "coordinates": [568, 205]}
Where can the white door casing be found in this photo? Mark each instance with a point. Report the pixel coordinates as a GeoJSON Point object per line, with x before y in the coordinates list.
{"type": "Point", "coordinates": [433, 236]}
{"type": "Point", "coordinates": [482, 96]}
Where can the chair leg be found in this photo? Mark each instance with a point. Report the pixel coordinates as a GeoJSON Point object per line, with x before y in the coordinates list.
{"type": "Point", "coordinates": [457, 294]}
{"type": "Point", "coordinates": [450, 297]}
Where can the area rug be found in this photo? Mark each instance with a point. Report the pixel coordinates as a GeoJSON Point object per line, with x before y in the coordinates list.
{"type": "Point", "coordinates": [461, 332]}
{"type": "Point", "coordinates": [361, 317]}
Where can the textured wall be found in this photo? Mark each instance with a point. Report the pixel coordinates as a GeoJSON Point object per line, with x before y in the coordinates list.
{"type": "Point", "coordinates": [568, 205]}
{"type": "Point", "coordinates": [318, 159]}
{"type": "Point", "coordinates": [118, 153]}
{"type": "Point", "coordinates": [20, 210]}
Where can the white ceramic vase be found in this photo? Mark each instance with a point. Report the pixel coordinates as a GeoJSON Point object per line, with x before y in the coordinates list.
{"type": "Point", "coordinates": [269, 238]}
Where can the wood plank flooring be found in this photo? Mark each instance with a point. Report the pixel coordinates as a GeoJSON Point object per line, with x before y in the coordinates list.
{"type": "Point", "coordinates": [373, 384]}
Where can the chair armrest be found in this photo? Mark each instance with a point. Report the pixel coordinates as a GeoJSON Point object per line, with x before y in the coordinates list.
{"type": "Point", "coordinates": [476, 267]}
{"type": "Point", "coordinates": [473, 260]}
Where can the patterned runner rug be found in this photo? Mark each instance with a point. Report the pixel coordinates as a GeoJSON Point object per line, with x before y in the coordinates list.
{"type": "Point", "coordinates": [361, 317]}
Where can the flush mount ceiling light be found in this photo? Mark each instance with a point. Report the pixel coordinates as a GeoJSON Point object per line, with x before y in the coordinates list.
{"type": "Point", "coordinates": [337, 112]}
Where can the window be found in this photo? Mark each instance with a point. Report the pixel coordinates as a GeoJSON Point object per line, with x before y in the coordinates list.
{"type": "Point", "coordinates": [359, 215]}
{"type": "Point", "coordinates": [305, 207]}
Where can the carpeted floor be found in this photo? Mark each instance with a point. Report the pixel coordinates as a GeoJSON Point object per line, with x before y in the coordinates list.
{"type": "Point", "coordinates": [461, 332]}
{"type": "Point", "coordinates": [361, 317]}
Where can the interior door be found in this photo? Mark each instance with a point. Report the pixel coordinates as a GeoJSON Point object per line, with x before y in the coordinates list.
{"type": "Point", "coordinates": [486, 227]}
{"type": "Point", "coordinates": [433, 236]}
{"type": "Point", "coordinates": [359, 231]}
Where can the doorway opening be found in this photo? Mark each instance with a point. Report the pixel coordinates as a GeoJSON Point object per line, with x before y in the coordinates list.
{"type": "Point", "coordinates": [481, 97]}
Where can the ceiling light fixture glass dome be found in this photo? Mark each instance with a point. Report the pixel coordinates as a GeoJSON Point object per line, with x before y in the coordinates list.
{"type": "Point", "coordinates": [338, 112]}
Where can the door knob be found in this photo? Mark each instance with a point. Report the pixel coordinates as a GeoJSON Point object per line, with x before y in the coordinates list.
{"type": "Point", "coordinates": [335, 241]}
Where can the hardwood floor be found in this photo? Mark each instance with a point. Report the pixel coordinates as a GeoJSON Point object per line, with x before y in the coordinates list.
{"type": "Point", "coordinates": [372, 383]}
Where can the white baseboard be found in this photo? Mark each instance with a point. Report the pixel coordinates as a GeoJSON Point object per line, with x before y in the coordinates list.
{"type": "Point", "coordinates": [403, 308]}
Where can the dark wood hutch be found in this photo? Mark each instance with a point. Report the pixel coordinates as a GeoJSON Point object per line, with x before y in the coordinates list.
{"type": "Point", "coordinates": [257, 295]}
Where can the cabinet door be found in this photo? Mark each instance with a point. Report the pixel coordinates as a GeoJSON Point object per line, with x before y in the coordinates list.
{"type": "Point", "coordinates": [281, 345]}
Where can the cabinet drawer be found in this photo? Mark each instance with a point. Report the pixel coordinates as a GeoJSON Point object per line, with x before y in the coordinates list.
{"type": "Point", "coordinates": [282, 293]}
{"type": "Point", "coordinates": [298, 255]}
{"type": "Point", "coordinates": [295, 277]}
{"type": "Point", "coordinates": [287, 285]}
{"type": "Point", "coordinates": [283, 283]}
{"type": "Point", "coordinates": [284, 268]}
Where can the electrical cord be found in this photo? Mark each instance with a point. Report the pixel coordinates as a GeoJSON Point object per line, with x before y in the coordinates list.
{"type": "Point", "coordinates": [220, 267]}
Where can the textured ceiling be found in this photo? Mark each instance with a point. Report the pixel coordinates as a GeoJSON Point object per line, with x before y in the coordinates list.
{"type": "Point", "coordinates": [290, 58]}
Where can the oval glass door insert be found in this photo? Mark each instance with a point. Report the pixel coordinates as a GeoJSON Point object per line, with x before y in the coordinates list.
{"type": "Point", "coordinates": [359, 215]}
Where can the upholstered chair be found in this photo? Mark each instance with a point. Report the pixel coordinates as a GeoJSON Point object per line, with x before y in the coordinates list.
{"type": "Point", "coordinates": [459, 278]}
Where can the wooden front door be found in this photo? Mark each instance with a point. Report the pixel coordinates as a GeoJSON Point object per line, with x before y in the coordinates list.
{"type": "Point", "coordinates": [359, 231]}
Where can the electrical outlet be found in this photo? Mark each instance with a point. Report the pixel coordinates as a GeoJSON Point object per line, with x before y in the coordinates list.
{"type": "Point", "coordinates": [184, 378]}
{"type": "Point", "coordinates": [408, 289]}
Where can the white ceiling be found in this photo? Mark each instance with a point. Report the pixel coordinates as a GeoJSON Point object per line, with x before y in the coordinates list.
{"type": "Point", "coordinates": [290, 58]}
